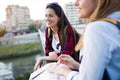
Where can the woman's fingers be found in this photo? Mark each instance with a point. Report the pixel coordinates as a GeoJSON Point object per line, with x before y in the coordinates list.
{"type": "Point", "coordinates": [38, 64]}
{"type": "Point", "coordinates": [63, 56]}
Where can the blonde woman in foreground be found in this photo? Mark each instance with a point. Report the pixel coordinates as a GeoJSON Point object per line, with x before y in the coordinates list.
{"type": "Point", "coordinates": [100, 43]}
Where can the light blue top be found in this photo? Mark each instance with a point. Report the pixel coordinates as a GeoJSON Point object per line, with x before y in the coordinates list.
{"type": "Point", "coordinates": [101, 51]}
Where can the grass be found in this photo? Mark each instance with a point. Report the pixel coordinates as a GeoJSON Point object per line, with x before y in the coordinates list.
{"type": "Point", "coordinates": [19, 50]}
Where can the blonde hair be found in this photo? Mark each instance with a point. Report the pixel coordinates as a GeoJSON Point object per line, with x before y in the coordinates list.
{"type": "Point", "coordinates": [103, 9]}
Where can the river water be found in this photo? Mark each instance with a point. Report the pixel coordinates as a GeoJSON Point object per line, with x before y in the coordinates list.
{"type": "Point", "coordinates": [17, 66]}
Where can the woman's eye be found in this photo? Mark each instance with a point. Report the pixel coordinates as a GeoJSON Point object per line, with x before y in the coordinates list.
{"type": "Point", "coordinates": [50, 15]}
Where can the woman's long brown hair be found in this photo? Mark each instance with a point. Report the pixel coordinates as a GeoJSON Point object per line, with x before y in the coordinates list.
{"type": "Point", "coordinates": [63, 21]}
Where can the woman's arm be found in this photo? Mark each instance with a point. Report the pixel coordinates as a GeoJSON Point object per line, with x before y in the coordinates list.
{"type": "Point", "coordinates": [52, 57]}
{"type": "Point", "coordinates": [95, 51]}
{"type": "Point", "coordinates": [63, 69]}
{"type": "Point", "coordinates": [39, 62]}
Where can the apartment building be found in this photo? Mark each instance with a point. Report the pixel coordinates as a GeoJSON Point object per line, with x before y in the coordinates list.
{"type": "Point", "coordinates": [71, 14]}
{"type": "Point", "coordinates": [18, 18]}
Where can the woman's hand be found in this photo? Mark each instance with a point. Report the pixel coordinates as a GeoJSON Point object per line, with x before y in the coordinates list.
{"type": "Point", "coordinates": [38, 64]}
{"type": "Point", "coordinates": [53, 55]}
{"type": "Point", "coordinates": [69, 61]}
{"type": "Point", "coordinates": [59, 68]}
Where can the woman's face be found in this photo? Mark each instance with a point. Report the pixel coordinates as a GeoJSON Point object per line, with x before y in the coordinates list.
{"type": "Point", "coordinates": [51, 18]}
{"type": "Point", "coordinates": [85, 7]}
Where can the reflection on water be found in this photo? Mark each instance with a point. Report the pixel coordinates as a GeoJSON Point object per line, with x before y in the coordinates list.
{"type": "Point", "coordinates": [6, 71]}
{"type": "Point", "coordinates": [17, 67]}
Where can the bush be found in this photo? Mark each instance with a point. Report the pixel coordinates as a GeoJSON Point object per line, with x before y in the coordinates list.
{"type": "Point", "coordinates": [2, 32]}
{"type": "Point", "coordinates": [32, 28]}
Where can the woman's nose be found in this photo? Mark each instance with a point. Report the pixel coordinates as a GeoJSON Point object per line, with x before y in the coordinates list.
{"type": "Point", "coordinates": [47, 18]}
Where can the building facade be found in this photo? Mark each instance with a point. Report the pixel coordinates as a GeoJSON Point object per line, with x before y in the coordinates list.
{"type": "Point", "coordinates": [71, 14]}
{"type": "Point", "coordinates": [18, 18]}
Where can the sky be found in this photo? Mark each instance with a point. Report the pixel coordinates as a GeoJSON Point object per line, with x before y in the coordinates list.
{"type": "Point", "coordinates": [36, 7]}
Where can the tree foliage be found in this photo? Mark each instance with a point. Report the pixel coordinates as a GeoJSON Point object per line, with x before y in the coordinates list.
{"type": "Point", "coordinates": [32, 28]}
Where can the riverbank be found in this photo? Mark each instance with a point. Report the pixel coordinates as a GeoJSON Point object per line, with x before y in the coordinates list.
{"type": "Point", "coordinates": [13, 51]}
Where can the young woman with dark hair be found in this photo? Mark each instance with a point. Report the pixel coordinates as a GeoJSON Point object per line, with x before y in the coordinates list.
{"type": "Point", "coordinates": [60, 37]}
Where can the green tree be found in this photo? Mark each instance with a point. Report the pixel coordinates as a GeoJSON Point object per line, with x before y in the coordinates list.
{"type": "Point", "coordinates": [32, 28]}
